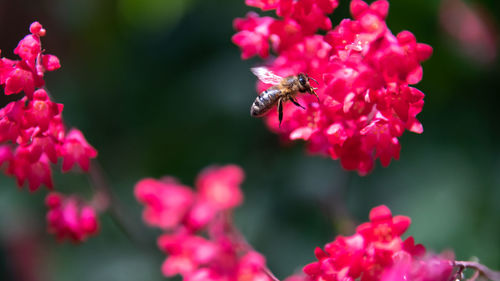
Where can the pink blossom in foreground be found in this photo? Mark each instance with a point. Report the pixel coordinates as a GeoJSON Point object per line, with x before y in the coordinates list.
{"type": "Point", "coordinates": [220, 187]}
{"type": "Point", "coordinates": [169, 203]}
{"type": "Point", "coordinates": [32, 131]}
{"type": "Point", "coordinates": [377, 252]}
{"type": "Point", "coordinates": [70, 218]}
{"type": "Point", "coordinates": [166, 201]}
{"type": "Point", "coordinates": [199, 238]}
{"type": "Point", "coordinates": [364, 74]}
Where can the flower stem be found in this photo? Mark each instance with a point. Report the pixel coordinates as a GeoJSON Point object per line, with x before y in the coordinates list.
{"type": "Point", "coordinates": [482, 269]}
{"type": "Point", "coordinates": [270, 274]}
{"type": "Point", "coordinates": [240, 239]}
{"type": "Point", "coordinates": [105, 200]}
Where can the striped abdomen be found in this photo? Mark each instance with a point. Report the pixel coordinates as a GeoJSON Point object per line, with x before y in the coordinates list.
{"type": "Point", "coordinates": [265, 101]}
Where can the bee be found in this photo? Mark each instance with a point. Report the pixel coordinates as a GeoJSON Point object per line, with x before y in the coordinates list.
{"type": "Point", "coordinates": [284, 89]}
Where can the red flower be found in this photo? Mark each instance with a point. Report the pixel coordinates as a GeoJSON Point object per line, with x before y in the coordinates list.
{"type": "Point", "coordinates": [37, 172]}
{"type": "Point", "coordinates": [253, 35]}
{"type": "Point", "coordinates": [432, 268]}
{"type": "Point", "coordinates": [187, 253]}
{"type": "Point", "coordinates": [376, 252]}
{"type": "Point", "coordinates": [40, 111]}
{"type": "Point", "coordinates": [33, 124]}
{"type": "Point", "coordinates": [263, 4]}
{"type": "Point", "coordinates": [364, 73]}
{"type": "Point", "coordinates": [200, 240]}
{"type": "Point", "coordinates": [221, 186]}
{"type": "Point", "coordinates": [250, 267]}
{"type": "Point", "coordinates": [166, 201]}
{"type": "Point", "coordinates": [76, 149]}
{"type": "Point", "coordinates": [69, 218]}
{"type": "Point", "coordinates": [383, 227]}
{"type": "Point", "coordinates": [17, 78]}
{"type": "Point", "coordinates": [27, 74]}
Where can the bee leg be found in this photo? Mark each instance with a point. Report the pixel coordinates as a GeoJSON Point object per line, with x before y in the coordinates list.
{"type": "Point", "coordinates": [312, 92]}
{"type": "Point", "coordinates": [280, 110]}
{"type": "Point", "coordinates": [296, 103]}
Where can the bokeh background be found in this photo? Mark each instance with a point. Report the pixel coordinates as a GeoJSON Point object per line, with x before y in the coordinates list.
{"type": "Point", "coordinates": [159, 89]}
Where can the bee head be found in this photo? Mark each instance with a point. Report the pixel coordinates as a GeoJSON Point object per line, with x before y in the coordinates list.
{"type": "Point", "coordinates": [303, 79]}
{"type": "Point", "coordinates": [305, 86]}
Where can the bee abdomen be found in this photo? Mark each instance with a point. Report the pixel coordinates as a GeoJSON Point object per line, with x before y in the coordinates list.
{"type": "Point", "coordinates": [265, 101]}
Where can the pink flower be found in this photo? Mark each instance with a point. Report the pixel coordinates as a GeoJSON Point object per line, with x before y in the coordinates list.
{"type": "Point", "coordinates": [70, 218]}
{"type": "Point", "coordinates": [297, 277]}
{"type": "Point", "coordinates": [36, 173]}
{"type": "Point", "coordinates": [200, 214]}
{"type": "Point", "coordinates": [311, 15]}
{"type": "Point", "coordinates": [263, 4]}
{"type": "Point", "coordinates": [33, 123]}
{"type": "Point", "coordinates": [75, 149]}
{"type": "Point", "coordinates": [377, 252]}
{"type": "Point", "coordinates": [364, 73]}
{"type": "Point", "coordinates": [41, 110]}
{"type": "Point", "coordinates": [5, 154]}
{"type": "Point", "coordinates": [473, 28]}
{"type": "Point", "coordinates": [199, 239]}
{"type": "Point", "coordinates": [220, 186]}
{"type": "Point", "coordinates": [28, 49]}
{"type": "Point", "coordinates": [35, 126]}
{"type": "Point", "coordinates": [431, 268]}
{"type": "Point", "coordinates": [37, 29]}
{"type": "Point", "coordinates": [253, 35]}
{"type": "Point", "coordinates": [166, 201]}
{"type": "Point", "coordinates": [169, 203]}
{"type": "Point", "coordinates": [17, 78]}
{"type": "Point", "coordinates": [250, 267]}
{"type": "Point", "coordinates": [186, 253]}
{"type": "Point", "coordinates": [383, 227]}
{"type": "Point", "coordinates": [27, 74]}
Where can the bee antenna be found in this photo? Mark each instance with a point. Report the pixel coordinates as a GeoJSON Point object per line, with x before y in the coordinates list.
{"type": "Point", "coordinates": [310, 78]}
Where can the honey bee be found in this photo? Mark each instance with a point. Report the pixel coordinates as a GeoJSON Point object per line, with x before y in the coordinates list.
{"type": "Point", "coordinates": [284, 89]}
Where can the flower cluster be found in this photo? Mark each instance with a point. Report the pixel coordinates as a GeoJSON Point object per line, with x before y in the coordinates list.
{"type": "Point", "coordinates": [377, 252]}
{"type": "Point", "coordinates": [33, 135]}
{"type": "Point", "coordinates": [364, 74]}
{"type": "Point", "coordinates": [27, 73]}
{"type": "Point", "coordinates": [69, 217]}
{"type": "Point", "coordinates": [199, 238]}
{"type": "Point", "coordinates": [32, 132]}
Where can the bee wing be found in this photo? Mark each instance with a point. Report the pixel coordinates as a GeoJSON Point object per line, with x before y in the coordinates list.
{"type": "Point", "coordinates": [265, 75]}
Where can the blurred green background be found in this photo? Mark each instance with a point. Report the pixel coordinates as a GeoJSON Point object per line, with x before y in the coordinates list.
{"type": "Point", "coordinates": [159, 89]}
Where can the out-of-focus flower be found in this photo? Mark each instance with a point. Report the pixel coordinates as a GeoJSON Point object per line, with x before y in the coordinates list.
{"type": "Point", "coordinates": [298, 277]}
{"type": "Point", "coordinates": [166, 201]}
{"type": "Point", "coordinates": [377, 252]}
{"type": "Point", "coordinates": [263, 4]}
{"type": "Point", "coordinates": [364, 74]}
{"type": "Point", "coordinates": [187, 253]}
{"type": "Point", "coordinates": [472, 26]}
{"type": "Point", "coordinates": [406, 268]}
{"type": "Point", "coordinates": [28, 253]}
{"type": "Point", "coordinates": [220, 187]}
{"type": "Point", "coordinates": [70, 218]}
{"type": "Point", "coordinates": [200, 240]}
{"type": "Point", "coordinates": [169, 203]}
